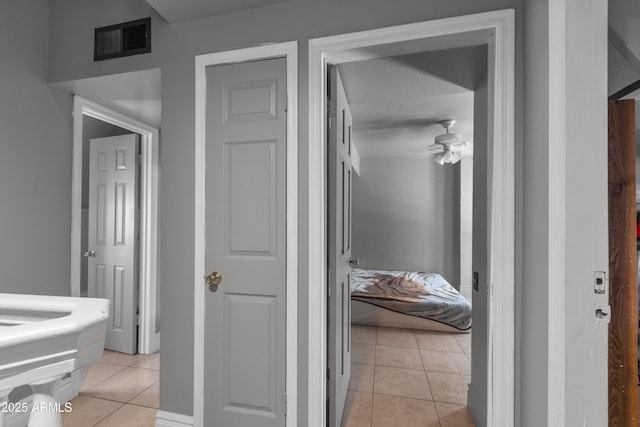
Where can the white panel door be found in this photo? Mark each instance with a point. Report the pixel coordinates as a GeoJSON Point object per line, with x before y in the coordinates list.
{"type": "Point", "coordinates": [339, 248]}
{"type": "Point", "coordinates": [244, 382]}
{"type": "Point", "coordinates": [113, 235]}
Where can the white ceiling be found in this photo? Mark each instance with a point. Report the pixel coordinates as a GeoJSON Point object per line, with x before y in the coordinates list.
{"type": "Point", "coordinates": [185, 10]}
{"type": "Point", "coordinates": [397, 102]}
{"type": "Point", "coordinates": [135, 94]}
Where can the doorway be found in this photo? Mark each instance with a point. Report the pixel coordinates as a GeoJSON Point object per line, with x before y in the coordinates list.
{"type": "Point", "coordinates": [496, 30]}
{"type": "Point", "coordinates": [407, 215]}
{"type": "Point", "coordinates": [148, 332]}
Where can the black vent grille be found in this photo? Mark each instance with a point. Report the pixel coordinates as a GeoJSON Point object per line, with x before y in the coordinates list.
{"type": "Point", "coordinates": [129, 38]}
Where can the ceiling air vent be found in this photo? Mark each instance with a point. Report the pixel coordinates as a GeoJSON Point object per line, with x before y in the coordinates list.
{"type": "Point", "coordinates": [129, 38]}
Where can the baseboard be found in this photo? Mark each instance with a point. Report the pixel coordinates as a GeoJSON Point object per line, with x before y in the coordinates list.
{"type": "Point", "coordinates": [171, 419]}
{"type": "Point", "coordinates": [476, 407]}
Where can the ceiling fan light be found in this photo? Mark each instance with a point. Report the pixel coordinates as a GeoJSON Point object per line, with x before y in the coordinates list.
{"type": "Point", "coordinates": [448, 157]}
{"type": "Point", "coordinates": [452, 145]}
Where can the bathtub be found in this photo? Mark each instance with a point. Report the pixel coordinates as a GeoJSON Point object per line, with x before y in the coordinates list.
{"type": "Point", "coordinates": [42, 339]}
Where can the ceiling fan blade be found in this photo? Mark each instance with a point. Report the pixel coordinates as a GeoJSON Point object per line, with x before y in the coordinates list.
{"type": "Point", "coordinates": [435, 148]}
{"type": "Point", "coordinates": [464, 149]}
{"type": "Point", "coordinates": [467, 150]}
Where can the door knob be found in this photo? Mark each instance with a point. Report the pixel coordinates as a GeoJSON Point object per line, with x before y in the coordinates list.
{"type": "Point", "coordinates": [214, 278]}
{"type": "Point", "coordinates": [91, 253]}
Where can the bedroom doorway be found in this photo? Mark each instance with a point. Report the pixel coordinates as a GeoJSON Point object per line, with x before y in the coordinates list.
{"type": "Point", "coordinates": [396, 214]}
{"type": "Point", "coordinates": [498, 343]}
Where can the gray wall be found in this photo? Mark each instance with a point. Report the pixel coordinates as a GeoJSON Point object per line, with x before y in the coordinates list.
{"type": "Point", "coordinates": [35, 163]}
{"type": "Point", "coordinates": [479, 258]}
{"type": "Point", "coordinates": [534, 193]}
{"type": "Point", "coordinates": [406, 216]}
{"type": "Point", "coordinates": [72, 22]}
{"type": "Point", "coordinates": [174, 47]}
{"type": "Point", "coordinates": [35, 158]}
{"type": "Point", "coordinates": [586, 213]}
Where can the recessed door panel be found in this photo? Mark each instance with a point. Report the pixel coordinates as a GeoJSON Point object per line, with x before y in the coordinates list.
{"type": "Point", "coordinates": [102, 160]}
{"type": "Point", "coordinates": [250, 101]}
{"type": "Point", "coordinates": [119, 283]}
{"type": "Point", "coordinates": [121, 159]}
{"type": "Point", "coordinates": [250, 365]}
{"type": "Point", "coordinates": [250, 193]}
{"type": "Point", "coordinates": [120, 212]}
{"type": "Point", "coordinates": [101, 215]}
{"type": "Point", "coordinates": [99, 283]}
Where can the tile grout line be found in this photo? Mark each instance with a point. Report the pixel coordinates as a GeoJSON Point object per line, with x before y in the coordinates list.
{"type": "Point", "coordinates": [435, 407]}
{"type": "Point", "coordinates": [373, 386]}
{"type": "Point", "coordinates": [143, 391]}
{"type": "Point", "coordinates": [123, 405]}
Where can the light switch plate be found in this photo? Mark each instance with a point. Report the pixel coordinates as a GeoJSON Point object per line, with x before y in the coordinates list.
{"type": "Point", "coordinates": [601, 283]}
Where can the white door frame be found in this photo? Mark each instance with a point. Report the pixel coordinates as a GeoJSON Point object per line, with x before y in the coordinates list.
{"type": "Point", "coordinates": [149, 339]}
{"type": "Point", "coordinates": [288, 50]}
{"type": "Point", "coordinates": [497, 30]}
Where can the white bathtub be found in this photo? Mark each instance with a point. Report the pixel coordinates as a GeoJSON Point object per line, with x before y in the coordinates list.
{"type": "Point", "coordinates": [42, 338]}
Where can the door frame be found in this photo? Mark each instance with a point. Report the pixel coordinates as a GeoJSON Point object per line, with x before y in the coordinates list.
{"type": "Point", "coordinates": [497, 30]}
{"type": "Point", "coordinates": [149, 338]}
{"type": "Point", "coordinates": [289, 51]}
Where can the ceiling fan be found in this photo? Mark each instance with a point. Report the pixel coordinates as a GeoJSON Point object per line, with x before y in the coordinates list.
{"type": "Point", "coordinates": [450, 147]}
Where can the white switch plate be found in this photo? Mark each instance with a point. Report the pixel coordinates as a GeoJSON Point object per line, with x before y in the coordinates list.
{"type": "Point", "coordinates": [601, 283]}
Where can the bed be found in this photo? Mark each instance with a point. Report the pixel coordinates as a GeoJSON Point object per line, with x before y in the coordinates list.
{"type": "Point", "coordinates": [407, 299]}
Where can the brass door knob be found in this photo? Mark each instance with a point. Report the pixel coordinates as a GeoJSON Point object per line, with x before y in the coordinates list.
{"type": "Point", "coordinates": [214, 278]}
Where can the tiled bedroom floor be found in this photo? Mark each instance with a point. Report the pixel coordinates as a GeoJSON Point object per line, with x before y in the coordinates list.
{"type": "Point", "coordinates": [119, 390]}
{"type": "Point", "coordinates": [409, 378]}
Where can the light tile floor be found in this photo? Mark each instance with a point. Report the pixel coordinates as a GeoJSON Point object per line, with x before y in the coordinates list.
{"type": "Point", "coordinates": [409, 378]}
{"type": "Point", "coordinates": [119, 390]}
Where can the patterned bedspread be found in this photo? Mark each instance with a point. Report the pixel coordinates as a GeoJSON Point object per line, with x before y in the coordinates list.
{"type": "Point", "coordinates": [420, 294]}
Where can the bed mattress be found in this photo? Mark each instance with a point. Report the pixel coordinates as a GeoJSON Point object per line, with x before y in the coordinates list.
{"type": "Point", "coordinates": [406, 299]}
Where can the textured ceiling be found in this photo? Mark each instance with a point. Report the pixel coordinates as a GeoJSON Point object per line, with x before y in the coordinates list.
{"type": "Point", "coordinates": [135, 94]}
{"type": "Point", "coordinates": [185, 10]}
{"type": "Point", "coordinates": [397, 101]}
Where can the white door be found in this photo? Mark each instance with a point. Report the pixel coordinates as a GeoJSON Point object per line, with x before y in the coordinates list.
{"type": "Point", "coordinates": [339, 248]}
{"type": "Point", "coordinates": [244, 380]}
{"type": "Point", "coordinates": [112, 244]}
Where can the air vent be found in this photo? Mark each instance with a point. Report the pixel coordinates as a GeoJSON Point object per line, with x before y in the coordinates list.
{"type": "Point", "coordinates": [129, 38]}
